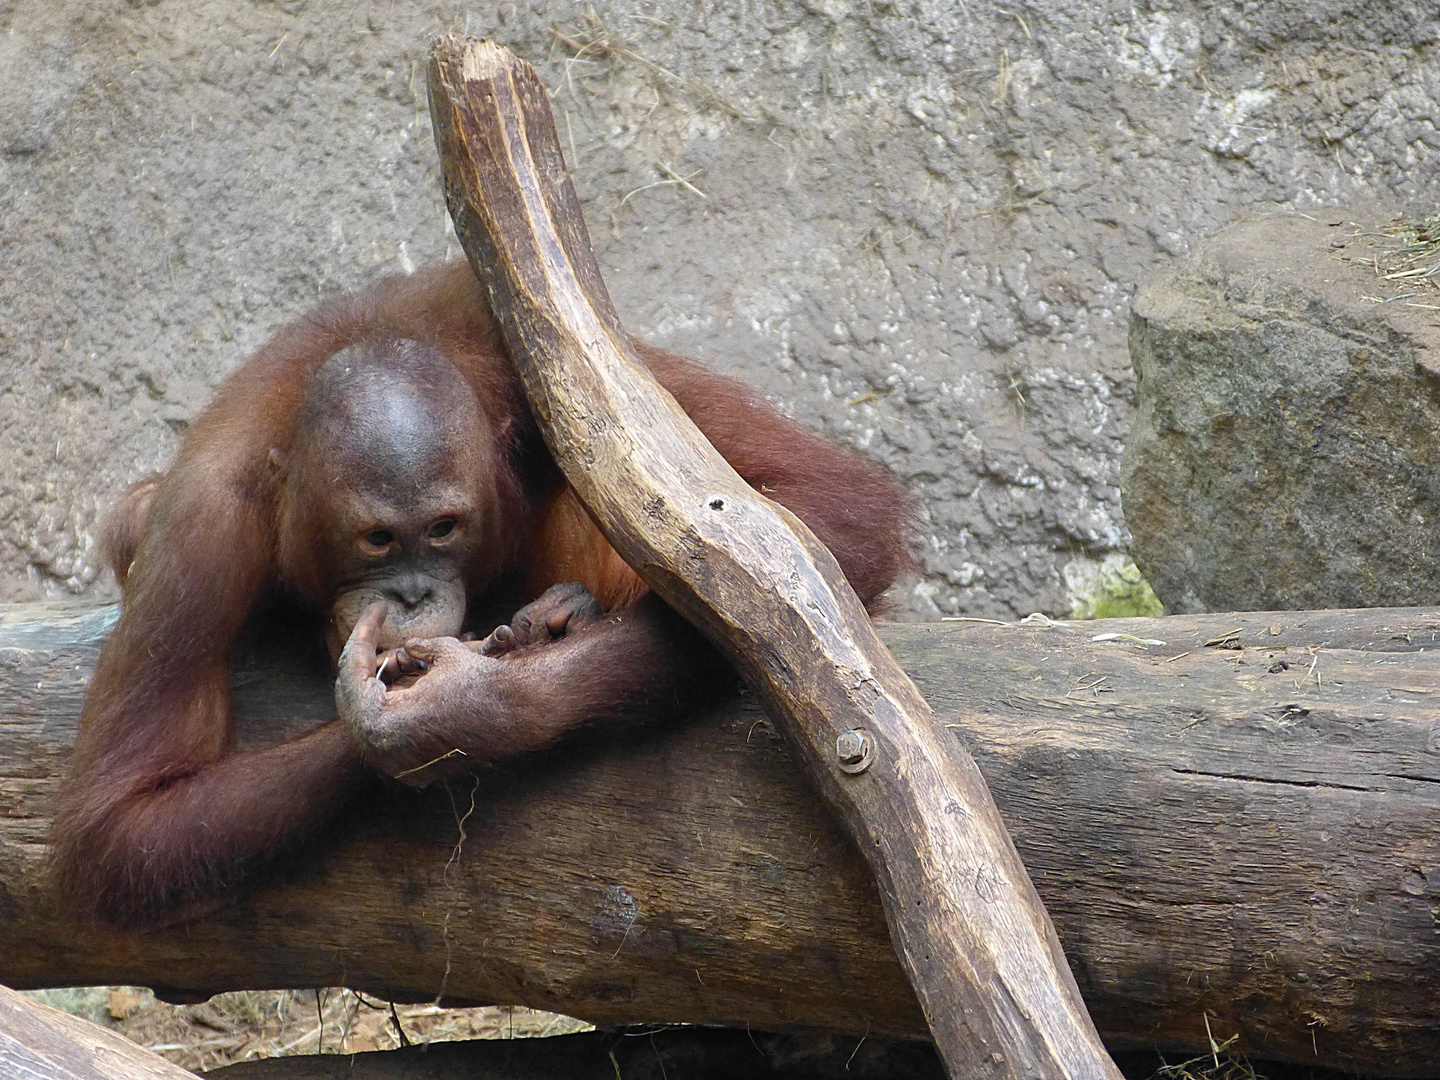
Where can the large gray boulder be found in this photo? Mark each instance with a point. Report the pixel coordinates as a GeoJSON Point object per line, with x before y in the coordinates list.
{"type": "Point", "coordinates": [1284, 452]}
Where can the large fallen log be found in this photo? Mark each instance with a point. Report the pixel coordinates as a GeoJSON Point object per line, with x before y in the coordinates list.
{"type": "Point", "coordinates": [1245, 835]}
{"type": "Point", "coordinates": [966, 922]}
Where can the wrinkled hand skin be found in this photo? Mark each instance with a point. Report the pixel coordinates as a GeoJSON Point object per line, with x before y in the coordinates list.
{"type": "Point", "coordinates": [467, 707]}
{"type": "Point", "coordinates": [393, 725]}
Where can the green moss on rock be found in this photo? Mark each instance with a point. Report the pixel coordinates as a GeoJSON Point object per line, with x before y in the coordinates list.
{"type": "Point", "coordinates": [1109, 588]}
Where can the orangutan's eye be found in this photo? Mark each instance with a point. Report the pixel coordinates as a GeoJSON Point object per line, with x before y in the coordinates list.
{"type": "Point", "coordinates": [380, 538]}
{"type": "Point", "coordinates": [442, 528]}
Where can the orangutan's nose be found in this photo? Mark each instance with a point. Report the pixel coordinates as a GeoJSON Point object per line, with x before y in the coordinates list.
{"type": "Point", "coordinates": [412, 590]}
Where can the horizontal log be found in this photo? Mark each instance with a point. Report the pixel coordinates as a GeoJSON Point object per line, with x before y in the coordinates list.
{"type": "Point", "coordinates": [1242, 834]}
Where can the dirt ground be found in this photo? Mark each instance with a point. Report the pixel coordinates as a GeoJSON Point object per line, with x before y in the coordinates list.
{"type": "Point", "coordinates": [275, 1023]}
{"type": "Point", "coordinates": [245, 1026]}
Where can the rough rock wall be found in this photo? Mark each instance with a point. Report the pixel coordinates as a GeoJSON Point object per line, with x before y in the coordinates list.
{"type": "Point", "coordinates": [1286, 449]}
{"type": "Point", "coordinates": [914, 224]}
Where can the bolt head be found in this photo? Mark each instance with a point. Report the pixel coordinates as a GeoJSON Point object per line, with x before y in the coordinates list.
{"type": "Point", "coordinates": [850, 747]}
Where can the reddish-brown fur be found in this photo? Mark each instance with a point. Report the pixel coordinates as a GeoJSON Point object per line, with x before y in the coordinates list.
{"type": "Point", "coordinates": [161, 816]}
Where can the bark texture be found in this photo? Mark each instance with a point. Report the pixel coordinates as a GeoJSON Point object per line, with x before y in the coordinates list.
{"type": "Point", "coordinates": [1247, 834]}
{"type": "Point", "coordinates": [968, 926]}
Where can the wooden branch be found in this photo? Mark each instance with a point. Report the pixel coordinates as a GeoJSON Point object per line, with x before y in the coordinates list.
{"type": "Point", "coordinates": [965, 920]}
{"type": "Point", "coordinates": [1216, 836]}
{"type": "Point", "coordinates": [47, 1044]}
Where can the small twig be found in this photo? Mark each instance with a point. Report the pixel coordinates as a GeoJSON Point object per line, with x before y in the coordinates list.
{"type": "Point", "coordinates": [320, 1016]}
{"type": "Point", "coordinates": [625, 936]}
{"type": "Point", "coordinates": [1036, 618]}
{"type": "Point", "coordinates": [1023, 25]}
{"type": "Point", "coordinates": [1002, 78]}
{"type": "Point", "coordinates": [857, 1048]}
{"type": "Point", "coordinates": [756, 1045]}
{"type": "Point", "coordinates": [460, 820]}
{"type": "Point", "coordinates": [663, 1074]}
{"type": "Point", "coordinates": [1128, 637]}
{"type": "Point", "coordinates": [683, 181]}
{"type": "Point", "coordinates": [399, 1028]}
{"type": "Point", "coordinates": [672, 179]}
{"type": "Point", "coordinates": [432, 761]}
{"type": "Point", "coordinates": [1094, 687]}
{"type": "Point", "coordinates": [1225, 639]}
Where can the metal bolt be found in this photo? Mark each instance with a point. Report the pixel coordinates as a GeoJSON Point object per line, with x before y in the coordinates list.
{"type": "Point", "coordinates": [853, 748]}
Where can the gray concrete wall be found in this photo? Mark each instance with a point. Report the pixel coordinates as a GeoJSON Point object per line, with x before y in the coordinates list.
{"type": "Point", "coordinates": [915, 225]}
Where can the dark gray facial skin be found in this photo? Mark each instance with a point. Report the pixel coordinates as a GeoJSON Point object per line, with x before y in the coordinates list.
{"type": "Point", "coordinates": [387, 452]}
{"type": "Point", "coordinates": [424, 594]}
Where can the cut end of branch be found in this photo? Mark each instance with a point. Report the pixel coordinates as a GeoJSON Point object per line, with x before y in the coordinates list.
{"type": "Point", "coordinates": [479, 58]}
{"type": "Point", "coordinates": [484, 59]}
